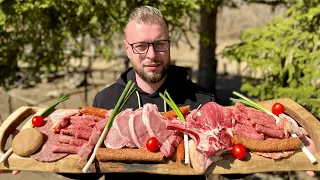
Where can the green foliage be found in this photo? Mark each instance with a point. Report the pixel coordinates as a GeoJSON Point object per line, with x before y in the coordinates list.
{"type": "Point", "coordinates": [43, 35]}
{"type": "Point", "coordinates": [287, 52]}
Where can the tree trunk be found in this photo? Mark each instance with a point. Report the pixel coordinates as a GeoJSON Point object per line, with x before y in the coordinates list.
{"type": "Point", "coordinates": [208, 62]}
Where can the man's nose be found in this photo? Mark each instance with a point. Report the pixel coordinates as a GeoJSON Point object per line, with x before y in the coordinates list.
{"type": "Point", "coordinates": [151, 52]}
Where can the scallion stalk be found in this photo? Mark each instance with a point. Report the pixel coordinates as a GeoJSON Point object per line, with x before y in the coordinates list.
{"type": "Point", "coordinates": [127, 92]}
{"type": "Point", "coordinates": [50, 109]}
{"type": "Point", "coordinates": [175, 108]}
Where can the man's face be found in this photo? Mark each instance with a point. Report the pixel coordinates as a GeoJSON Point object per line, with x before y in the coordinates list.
{"type": "Point", "coordinates": [151, 66]}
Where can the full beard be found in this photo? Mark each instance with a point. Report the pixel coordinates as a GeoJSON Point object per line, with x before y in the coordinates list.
{"type": "Point", "coordinates": [155, 77]}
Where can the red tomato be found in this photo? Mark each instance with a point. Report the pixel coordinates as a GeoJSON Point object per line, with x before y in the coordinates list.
{"type": "Point", "coordinates": [37, 121]}
{"type": "Point", "coordinates": [152, 144]}
{"type": "Point", "coordinates": [239, 151]}
{"type": "Point", "coordinates": [277, 108]}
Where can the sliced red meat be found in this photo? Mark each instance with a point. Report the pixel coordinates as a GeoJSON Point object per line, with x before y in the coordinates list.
{"type": "Point", "coordinates": [45, 153]}
{"type": "Point", "coordinates": [71, 140]}
{"type": "Point", "coordinates": [93, 138]}
{"type": "Point", "coordinates": [247, 131]}
{"type": "Point", "coordinates": [82, 134]}
{"type": "Point", "coordinates": [276, 133]}
{"type": "Point", "coordinates": [79, 127]}
{"type": "Point", "coordinates": [213, 115]}
{"type": "Point", "coordinates": [85, 151]}
{"type": "Point", "coordinates": [92, 118]}
{"type": "Point", "coordinates": [63, 148]}
{"type": "Point", "coordinates": [82, 121]}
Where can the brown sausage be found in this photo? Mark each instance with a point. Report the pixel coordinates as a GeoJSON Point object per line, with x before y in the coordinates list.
{"type": "Point", "coordinates": [185, 110]}
{"type": "Point", "coordinates": [94, 111]}
{"type": "Point", "coordinates": [268, 145]}
{"type": "Point", "coordinates": [128, 155]}
{"type": "Point", "coordinates": [180, 151]}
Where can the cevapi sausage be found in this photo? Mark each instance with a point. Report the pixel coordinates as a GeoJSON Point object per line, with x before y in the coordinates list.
{"type": "Point", "coordinates": [185, 110]}
{"type": "Point", "coordinates": [128, 155]}
{"type": "Point", "coordinates": [268, 145]}
{"type": "Point", "coordinates": [180, 151]}
{"type": "Point", "coordinates": [94, 111]}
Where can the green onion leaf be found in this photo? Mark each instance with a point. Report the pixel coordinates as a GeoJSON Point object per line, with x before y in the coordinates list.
{"type": "Point", "coordinates": [172, 104]}
{"type": "Point", "coordinates": [50, 109]}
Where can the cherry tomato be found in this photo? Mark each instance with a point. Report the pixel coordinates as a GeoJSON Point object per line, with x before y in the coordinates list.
{"type": "Point", "coordinates": [152, 144]}
{"type": "Point", "coordinates": [37, 121]}
{"type": "Point", "coordinates": [277, 108]}
{"type": "Point", "coordinates": [239, 151]}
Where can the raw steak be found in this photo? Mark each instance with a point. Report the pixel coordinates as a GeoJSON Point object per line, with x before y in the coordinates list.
{"type": "Point", "coordinates": [210, 128]}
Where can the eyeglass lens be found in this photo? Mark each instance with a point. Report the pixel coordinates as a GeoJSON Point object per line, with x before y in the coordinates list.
{"type": "Point", "coordinates": [158, 46]}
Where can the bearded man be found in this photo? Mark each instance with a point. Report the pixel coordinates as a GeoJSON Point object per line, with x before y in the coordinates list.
{"type": "Point", "coordinates": [147, 44]}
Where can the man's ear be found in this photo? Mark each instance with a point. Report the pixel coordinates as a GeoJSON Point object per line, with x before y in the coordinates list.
{"type": "Point", "coordinates": [127, 46]}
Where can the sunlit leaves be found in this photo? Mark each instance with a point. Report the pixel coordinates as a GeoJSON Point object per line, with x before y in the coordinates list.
{"type": "Point", "coordinates": [289, 47]}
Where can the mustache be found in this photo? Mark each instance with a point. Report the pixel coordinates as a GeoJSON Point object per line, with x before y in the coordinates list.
{"type": "Point", "coordinates": [152, 63]}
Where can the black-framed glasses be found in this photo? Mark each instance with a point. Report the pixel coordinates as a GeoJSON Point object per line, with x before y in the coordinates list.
{"type": "Point", "coordinates": [143, 47]}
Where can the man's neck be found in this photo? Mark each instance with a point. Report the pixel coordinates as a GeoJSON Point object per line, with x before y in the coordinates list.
{"type": "Point", "coordinates": [146, 87]}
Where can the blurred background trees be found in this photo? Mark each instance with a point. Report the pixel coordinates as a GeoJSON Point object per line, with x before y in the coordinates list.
{"type": "Point", "coordinates": [284, 56]}
{"type": "Point", "coordinates": [40, 37]}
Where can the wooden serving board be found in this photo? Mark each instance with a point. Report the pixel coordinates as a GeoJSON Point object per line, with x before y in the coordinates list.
{"type": "Point", "coordinates": [228, 165]}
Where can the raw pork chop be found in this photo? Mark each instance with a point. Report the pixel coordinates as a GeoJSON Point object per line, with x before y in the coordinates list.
{"type": "Point", "coordinates": [210, 128]}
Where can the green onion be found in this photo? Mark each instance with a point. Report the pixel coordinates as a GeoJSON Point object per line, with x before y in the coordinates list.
{"type": "Point", "coordinates": [50, 109]}
{"type": "Point", "coordinates": [127, 92]}
{"type": "Point", "coordinates": [173, 105]}
{"type": "Point", "coordinates": [175, 108]}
